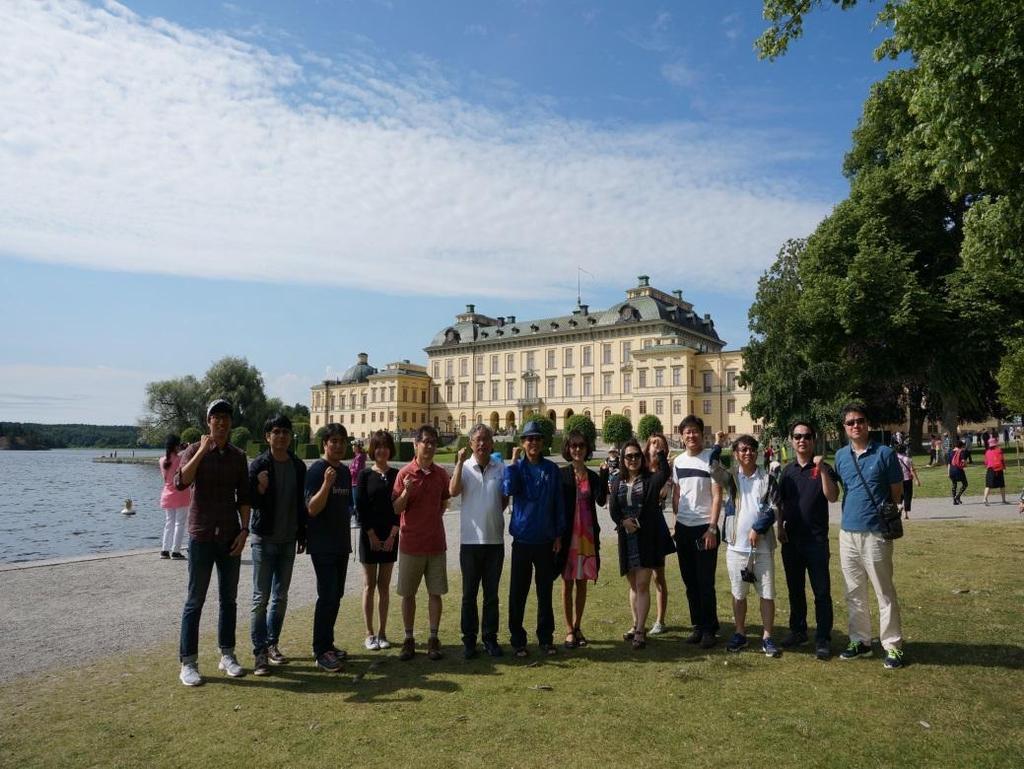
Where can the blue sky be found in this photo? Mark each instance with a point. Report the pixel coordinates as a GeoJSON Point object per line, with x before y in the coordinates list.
{"type": "Point", "coordinates": [299, 182]}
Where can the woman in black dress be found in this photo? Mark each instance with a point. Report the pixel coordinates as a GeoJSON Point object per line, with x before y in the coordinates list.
{"type": "Point", "coordinates": [635, 505]}
{"type": "Point", "coordinates": [378, 534]}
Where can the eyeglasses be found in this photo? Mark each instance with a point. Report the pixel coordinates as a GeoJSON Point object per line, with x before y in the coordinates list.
{"type": "Point", "coordinates": [428, 442]}
{"type": "Point", "coordinates": [632, 456]}
{"type": "Point", "coordinates": [746, 450]}
{"type": "Point", "coordinates": [577, 446]}
{"type": "Point", "coordinates": [531, 437]}
{"type": "Point", "coordinates": [804, 436]}
{"type": "Point", "coordinates": [855, 422]}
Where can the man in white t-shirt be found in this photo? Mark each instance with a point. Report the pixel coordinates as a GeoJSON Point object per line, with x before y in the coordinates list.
{"type": "Point", "coordinates": [751, 547]}
{"type": "Point", "coordinates": [697, 502]}
{"type": "Point", "coordinates": [482, 550]}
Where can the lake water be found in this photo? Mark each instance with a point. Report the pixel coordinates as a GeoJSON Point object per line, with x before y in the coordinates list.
{"type": "Point", "coordinates": [60, 503]}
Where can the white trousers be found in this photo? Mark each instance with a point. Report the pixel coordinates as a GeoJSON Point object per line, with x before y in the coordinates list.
{"type": "Point", "coordinates": [865, 558]}
{"type": "Point", "coordinates": [174, 528]}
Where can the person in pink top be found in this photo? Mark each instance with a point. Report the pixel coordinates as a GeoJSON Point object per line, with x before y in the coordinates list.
{"type": "Point", "coordinates": [994, 466]}
{"type": "Point", "coordinates": [174, 503]}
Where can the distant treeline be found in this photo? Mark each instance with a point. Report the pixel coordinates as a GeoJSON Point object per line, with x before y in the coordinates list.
{"type": "Point", "coordinates": [29, 435]}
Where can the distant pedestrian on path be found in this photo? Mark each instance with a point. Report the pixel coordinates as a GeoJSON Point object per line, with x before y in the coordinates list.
{"type": "Point", "coordinates": [910, 477]}
{"type": "Point", "coordinates": [173, 502]}
{"type": "Point", "coordinates": [218, 527]}
{"type": "Point", "coordinates": [994, 467]}
{"type": "Point", "coordinates": [957, 474]}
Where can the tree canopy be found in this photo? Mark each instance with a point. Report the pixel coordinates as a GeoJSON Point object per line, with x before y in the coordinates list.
{"type": "Point", "coordinates": [584, 424]}
{"type": "Point", "coordinates": [647, 426]}
{"type": "Point", "coordinates": [617, 429]}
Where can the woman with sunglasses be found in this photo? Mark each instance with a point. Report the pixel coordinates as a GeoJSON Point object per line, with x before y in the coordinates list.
{"type": "Point", "coordinates": [579, 559]}
{"type": "Point", "coordinates": [657, 445]}
{"type": "Point", "coordinates": [635, 506]}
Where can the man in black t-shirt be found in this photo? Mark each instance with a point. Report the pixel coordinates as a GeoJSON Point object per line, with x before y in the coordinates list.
{"type": "Point", "coordinates": [807, 486]}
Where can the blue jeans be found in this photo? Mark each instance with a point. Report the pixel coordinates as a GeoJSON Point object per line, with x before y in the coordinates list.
{"type": "Point", "coordinates": [481, 565]}
{"type": "Point", "coordinates": [271, 577]}
{"type": "Point", "coordinates": [202, 557]}
{"type": "Point", "coordinates": [331, 569]}
{"type": "Point", "coordinates": [808, 557]}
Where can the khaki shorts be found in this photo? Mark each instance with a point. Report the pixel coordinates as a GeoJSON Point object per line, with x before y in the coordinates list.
{"type": "Point", "coordinates": [432, 568]}
{"type": "Point", "coordinates": [764, 570]}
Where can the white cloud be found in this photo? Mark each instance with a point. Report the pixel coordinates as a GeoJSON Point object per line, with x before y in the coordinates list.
{"type": "Point", "coordinates": [678, 73]}
{"type": "Point", "coordinates": [56, 394]}
{"type": "Point", "coordinates": [290, 388]}
{"type": "Point", "coordinates": [139, 145]}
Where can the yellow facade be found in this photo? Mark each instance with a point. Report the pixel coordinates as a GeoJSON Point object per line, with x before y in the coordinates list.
{"type": "Point", "coordinates": [650, 354]}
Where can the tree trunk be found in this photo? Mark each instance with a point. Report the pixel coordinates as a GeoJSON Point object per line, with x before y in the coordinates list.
{"type": "Point", "coordinates": [951, 416]}
{"type": "Point", "coordinates": [917, 413]}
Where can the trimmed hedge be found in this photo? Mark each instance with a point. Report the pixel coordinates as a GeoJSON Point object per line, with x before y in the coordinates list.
{"type": "Point", "coordinates": [405, 451]}
{"type": "Point", "coordinates": [307, 451]}
{"type": "Point", "coordinates": [254, 449]}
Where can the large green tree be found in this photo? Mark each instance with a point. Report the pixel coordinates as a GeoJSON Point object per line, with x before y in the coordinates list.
{"type": "Point", "coordinates": [962, 132]}
{"type": "Point", "coordinates": [242, 384]}
{"type": "Point", "coordinates": [171, 406]}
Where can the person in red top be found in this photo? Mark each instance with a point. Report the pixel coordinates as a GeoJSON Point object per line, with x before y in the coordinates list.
{"type": "Point", "coordinates": [421, 495]}
{"type": "Point", "coordinates": [994, 464]}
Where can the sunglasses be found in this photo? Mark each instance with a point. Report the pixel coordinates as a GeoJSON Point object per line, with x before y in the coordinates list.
{"type": "Point", "coordinates": [803, 437]}
{"type": "Point", "coordinates": [855, 422]}
{"type": "Point", "coordinates": [577, 446]}
{"type": "Point", "coordinates": [631, 457]}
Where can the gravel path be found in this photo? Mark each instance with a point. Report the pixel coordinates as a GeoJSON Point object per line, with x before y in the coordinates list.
{"type": "Point", "coordinates": [88, 608]}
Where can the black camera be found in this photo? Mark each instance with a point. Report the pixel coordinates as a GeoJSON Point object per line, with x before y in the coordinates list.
{"type": "Point", "coordinates": [747, 575]}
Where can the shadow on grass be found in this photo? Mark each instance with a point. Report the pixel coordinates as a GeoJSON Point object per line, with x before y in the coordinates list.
{"type": "Point", "coordinates": [965, 654]}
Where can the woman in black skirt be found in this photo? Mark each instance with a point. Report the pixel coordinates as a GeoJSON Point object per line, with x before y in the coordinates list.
{"type": "Point", "coordinates": [378, 534]}
{"type": "Point", "coordinates": [635, 505]}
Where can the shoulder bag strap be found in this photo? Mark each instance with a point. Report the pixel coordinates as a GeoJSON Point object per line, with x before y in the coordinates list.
{"type": "Point", "coordinates": [867, 488]}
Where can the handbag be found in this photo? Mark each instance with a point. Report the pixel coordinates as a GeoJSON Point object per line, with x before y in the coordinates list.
{"type": "Point", "coordinates": [890, 520]}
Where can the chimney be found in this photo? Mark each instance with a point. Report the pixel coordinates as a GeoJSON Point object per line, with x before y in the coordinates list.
{"type": "Point", "coordinates": [362, 357]}
{"type": "Point", "coordinates": [585, 309]}
{"type": "Point", "coordinates": [501, 320]}
{"type": "Point", "coordinates": [470, 309]}
{"type": "Point", "coordinates": [678, 294]}
{"type": "Point", "coordinates": [645, 280]}
{"type": "Point", "coordinates": [511, 319]}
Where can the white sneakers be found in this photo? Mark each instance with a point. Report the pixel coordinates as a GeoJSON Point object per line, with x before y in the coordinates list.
{"type": "Point", "coordinates": [230, 665]}
{"type": "Point", "coordinates": [371, 643]}
{"type": "Point", "coordinates": [657, 629]}
{"type": "Point", "coordinates": [190, 674]}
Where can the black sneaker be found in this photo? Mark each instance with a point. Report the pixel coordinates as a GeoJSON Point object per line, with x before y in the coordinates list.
{"type": "Point", "coordinates": [792, 639]}
{"type": "Point", "coordinates": [176, 556]}
{"type": "Point", "coordinates": [470, 652]}
{"type": "Point", "coordinates": [738, 642]}
{"type": "Point", "coordinates": [823, 650]}
{"type": "Point", "coordinates": [494, 649]}
{"type": "Point", "coordinates": [707, 640]}
{"type": "Point", "coordinates": [854, 650]}
{"type": "Point", "coordinates": [165, 554]}
{"type": "Point", "coordinates": [694, 637]}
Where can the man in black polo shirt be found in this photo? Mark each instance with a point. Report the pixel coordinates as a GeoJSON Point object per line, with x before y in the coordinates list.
{"type": "Point", "coordinates": [807, 486]}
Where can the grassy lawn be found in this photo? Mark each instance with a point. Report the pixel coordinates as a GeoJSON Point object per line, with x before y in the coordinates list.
{"type": "Point", "coordinates": [959, 702]}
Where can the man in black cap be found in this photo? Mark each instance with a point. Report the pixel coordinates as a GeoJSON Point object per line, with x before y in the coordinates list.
{"type": "Point", "coordinates": [538, 521]}
{"type": "Point", "coordinates": [218, 525]}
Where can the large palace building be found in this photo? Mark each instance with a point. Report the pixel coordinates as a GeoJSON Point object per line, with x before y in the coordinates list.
{"type": "Point", "coordinates": [649, 354]}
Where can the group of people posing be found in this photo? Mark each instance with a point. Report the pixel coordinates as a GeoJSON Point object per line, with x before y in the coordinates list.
{"type": "Point", "coordinates": [285, 509]}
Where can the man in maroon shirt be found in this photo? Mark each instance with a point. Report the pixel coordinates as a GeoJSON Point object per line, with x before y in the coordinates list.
{"type": "Point", "coordinates": [421, 495]}
{"type": "Point", "coordinates": [218, 525]}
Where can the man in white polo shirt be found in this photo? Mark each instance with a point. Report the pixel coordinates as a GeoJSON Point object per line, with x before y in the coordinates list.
{"type": "Point", "coordinates": [482, 549]}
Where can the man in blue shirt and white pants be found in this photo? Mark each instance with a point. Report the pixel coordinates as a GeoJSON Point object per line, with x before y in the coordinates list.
{"type": "Point", "coordinates": [865, 556]}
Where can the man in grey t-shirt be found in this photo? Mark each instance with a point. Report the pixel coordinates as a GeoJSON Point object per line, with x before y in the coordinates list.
{"type": "Point", "coordinates": [277, 485]}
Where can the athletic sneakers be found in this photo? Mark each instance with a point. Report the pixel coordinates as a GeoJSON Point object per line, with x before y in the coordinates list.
{"type": "Point", "coordinates": [656, 629]}
{"type": "Point", "coordinates": [190, 674]}
{"type": "Point", "coordinates": [737, 642]}
{"type": "Point", "coordinates": [176, 556]}
{"type": "Point", "coordinates": [707, 640]}
{"type": "Point", "coordinates": [854, 650]}
{"type": "Point", "coordinates": [383, 642]}
{"type": "Point", "coordinates": [893, 659]}
{"type": "Point", "coordinates": [770, 649]}
{"type": "Point", "coordinates": [371, 643]}
{"type": "Point", "coordinates": [167, 554]}
{"type": "Point", "coordinates": [274, 655]}
{"type": "Point", "coordinates": [823, 650]}
{"type": "Point", "coordinates": [694, 637]}
{"type": "Point", "coordinates": [261, 666]}
{"type": "Point", "coordinates": [230, 665]}
{"type": "Point", "coordinates": [329, 662]}
{"type": "Point", "coordinates": [494, 648]}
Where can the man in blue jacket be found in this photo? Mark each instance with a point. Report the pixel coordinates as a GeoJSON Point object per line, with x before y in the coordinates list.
{"type": "Point", "coordinates": [538, 520]}
{"type": "Point", "coordinates": [277, 481]}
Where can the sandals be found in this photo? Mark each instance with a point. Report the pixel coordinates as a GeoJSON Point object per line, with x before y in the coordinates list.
{"type": "Point", "coordinates": [581, 640]}
{"type": "Point", "coordinates": [639, 640]}
{"type": "Point", "coordinates": [520, 651]}
{"type": "Point", "coordinates": [571, 640]}
{"type": "Point", "coordinates": [628, 635]}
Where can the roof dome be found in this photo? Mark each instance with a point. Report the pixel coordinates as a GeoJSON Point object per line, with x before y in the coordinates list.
{"type": "Point", "coordinates": [359, 372]}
